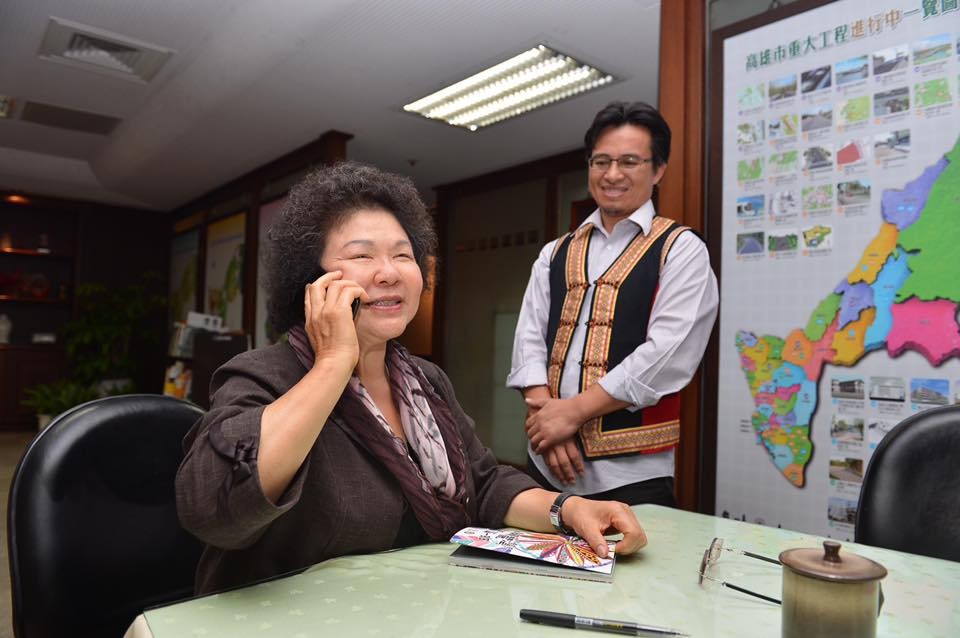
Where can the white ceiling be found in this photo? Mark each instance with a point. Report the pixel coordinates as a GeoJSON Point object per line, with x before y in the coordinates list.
{"type": "Point", "coordinates": [251, 80]}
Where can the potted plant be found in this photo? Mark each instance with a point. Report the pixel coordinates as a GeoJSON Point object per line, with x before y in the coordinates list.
{"type": "Point", "coordinates": [113, 326]}
{"type": "Point", "coordinates": [52, 399]}
{"type": "Point", "coordinates": [112, 331]}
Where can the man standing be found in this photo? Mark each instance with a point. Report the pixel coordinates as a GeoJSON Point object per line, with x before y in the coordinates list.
{"type": "Point", "coordinates": [614, 323]}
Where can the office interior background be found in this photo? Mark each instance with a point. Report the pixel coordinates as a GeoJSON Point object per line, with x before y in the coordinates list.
{"type": "Point", "coordinates": [250, 97]}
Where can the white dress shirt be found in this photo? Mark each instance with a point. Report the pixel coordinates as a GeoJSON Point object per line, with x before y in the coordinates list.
{"type": "Point", "coordinates": [677, 334]}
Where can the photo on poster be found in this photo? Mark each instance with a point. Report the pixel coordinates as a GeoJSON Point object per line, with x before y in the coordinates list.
{"type": "Point", "coordinates": [845, 468]}
{"type": "Point", "coordinates": [782, 163]}
{"type": "Point", "coordinates": [750, 206]}
{"type": "Point", "coordinates": [842, 510]}
{"type": "Point", "coordinates": [752, 97]}
{"type": "Point", "coordinates": [856, 191]}
{"type": "Point", "coordinates": [750, 169]}
{"type": "Point", "coordinates": [750, 243]}
{"type": "Point", "coordinates": [782, 89]}
{"type": "Point", "coordinates": [892, 101]}
{"type": "Point", "coordinates": [853, 111]}
{"type": "Point", "coordinates": [853, 152]}
{"type": "Point", "coordinates": [895, 58]}
{"type": "Point", "coordinates": [933, 92]}
{"type": "Point", "coordinates": [847, 387]}
{"type": "Point", "coordinates": [892, 145]}
{"type": "Point", "coordinates": [852, 70]}
{"type": "Point", "coordinates": [817, 198]}
{"type": "Point", "coordinates": [930, 391]}
{"type": "Point", "coordinates": [783, 126]}
{"type": "Point", "coordinates": [878, 428]}
{"type": "Point", "coordinates": [818, 158]}
{"type": "Point", "coordinates": [750, 133]}
{"type": "Point", "coordinates": [815, 79]}
{"type": "Point", "coordinates": [784, 203]}
{"type": "Point", "coordinates": [816, 117]}
{"type": "Point", "coordinates": [932, 49]}
{"type": "Point", "coordinates": [783, 241]}
{"type": "Point", "coordinates": [888, 389]}
{"type": "Point", "coordinates": [818, 237]}
{"type": "Point", "coordinates": [846, 429]}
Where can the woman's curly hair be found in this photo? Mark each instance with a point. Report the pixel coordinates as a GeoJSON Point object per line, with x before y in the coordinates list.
{"type": "Point", "coordinates": [320, 203]}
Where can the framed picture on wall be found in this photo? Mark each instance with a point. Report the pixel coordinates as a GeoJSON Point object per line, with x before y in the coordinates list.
{"type": "Point", "coordinates": [223, 290]}
{"type": "Point", "coordinates": [184, 251]}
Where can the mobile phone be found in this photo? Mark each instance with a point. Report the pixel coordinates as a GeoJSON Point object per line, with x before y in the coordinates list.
{"type": "Point", "coordinates": [354, 305]}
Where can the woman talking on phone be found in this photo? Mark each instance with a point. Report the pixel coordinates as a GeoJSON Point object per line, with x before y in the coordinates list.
{"type": "Point", "coordinates": [338, 441]}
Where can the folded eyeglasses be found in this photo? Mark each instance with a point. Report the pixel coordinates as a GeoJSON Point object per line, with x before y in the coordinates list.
{"type": "Point", "coordinates": [713, 553]}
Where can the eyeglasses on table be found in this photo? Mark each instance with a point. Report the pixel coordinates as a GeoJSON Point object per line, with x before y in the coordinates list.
{"type": "Point", "coordinates": [713, 553]}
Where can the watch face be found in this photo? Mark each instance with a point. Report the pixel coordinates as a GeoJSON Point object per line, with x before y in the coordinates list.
{"type": "Point", "coordinates": [555, 517]}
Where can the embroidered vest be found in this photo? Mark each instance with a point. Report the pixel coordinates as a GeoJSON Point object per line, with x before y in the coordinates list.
{"type": "Point", "coordinates": [619, 314]}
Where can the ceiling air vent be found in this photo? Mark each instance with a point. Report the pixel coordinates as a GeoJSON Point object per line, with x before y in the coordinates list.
{"type": "Point", "coordinates": [96, 50]}
{"type": "Point", "coordinates": [82, 121]}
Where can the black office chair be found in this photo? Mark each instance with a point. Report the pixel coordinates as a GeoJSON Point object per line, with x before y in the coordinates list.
{"type": "Point", "coordinates": [92, 524]}
{"type": "Point", "coordinates": [910, 500]}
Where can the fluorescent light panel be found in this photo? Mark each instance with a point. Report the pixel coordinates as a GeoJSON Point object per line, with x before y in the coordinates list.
{"type": "Point", "coordinates": [527, 81]}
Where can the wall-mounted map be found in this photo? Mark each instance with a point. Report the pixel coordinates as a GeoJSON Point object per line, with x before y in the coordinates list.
{"type": "Point", "coordinates": [839, 255]}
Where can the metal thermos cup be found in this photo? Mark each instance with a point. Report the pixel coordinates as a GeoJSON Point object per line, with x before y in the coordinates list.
{"type": "Point", "coordinates": [827, 595]}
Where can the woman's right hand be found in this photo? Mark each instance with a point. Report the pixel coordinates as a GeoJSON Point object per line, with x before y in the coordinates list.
{"type": "Point", "coordinates": [329, 318]}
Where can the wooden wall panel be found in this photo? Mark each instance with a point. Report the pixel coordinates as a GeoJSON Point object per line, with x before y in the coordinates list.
{"type": "Point", "coordinates": [681, 193]}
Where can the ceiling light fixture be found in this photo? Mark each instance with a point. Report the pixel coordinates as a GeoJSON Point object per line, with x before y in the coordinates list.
{"type": "Point", "coordinates": [527, 81]}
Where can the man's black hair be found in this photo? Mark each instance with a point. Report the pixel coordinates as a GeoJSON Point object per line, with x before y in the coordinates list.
{"type": "Point", "coordinates": [617, 114]}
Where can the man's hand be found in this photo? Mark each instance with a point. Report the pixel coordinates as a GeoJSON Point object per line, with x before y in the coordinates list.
{"type": "Point", "coordinates": [534, 392]}
{"type": "Point", "coordinates": [553, 421]}
{"type": "Point", "coordinates": [592, 519]}
{"type": "Point", "coordinates": [565, 462]}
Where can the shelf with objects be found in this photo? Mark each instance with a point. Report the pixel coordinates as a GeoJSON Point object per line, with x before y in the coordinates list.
{"type": "Point", "coordinates": [81, 303]}
{"type": "Point", "coordinates": [37, 272]}
{"type": "Point", "coordinates": [198, 346]}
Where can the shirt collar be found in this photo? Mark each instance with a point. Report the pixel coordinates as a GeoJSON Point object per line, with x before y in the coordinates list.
{"type": "Point", "coordinates": [642, 217]}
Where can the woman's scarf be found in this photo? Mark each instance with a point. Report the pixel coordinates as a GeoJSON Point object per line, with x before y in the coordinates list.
{"type": "Point", "coordinates": [434, 485]}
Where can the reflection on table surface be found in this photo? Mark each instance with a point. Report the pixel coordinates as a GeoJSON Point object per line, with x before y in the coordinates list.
{"type": "Point", "coordinates": [413, 592]}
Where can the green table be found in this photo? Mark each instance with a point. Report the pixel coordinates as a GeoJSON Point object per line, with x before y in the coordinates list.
{"type": "Point", "coordinates": [413, 592]}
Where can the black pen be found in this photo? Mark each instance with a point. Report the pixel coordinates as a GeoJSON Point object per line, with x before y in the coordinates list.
{"type": "Point", "coordinates": [597, 624]}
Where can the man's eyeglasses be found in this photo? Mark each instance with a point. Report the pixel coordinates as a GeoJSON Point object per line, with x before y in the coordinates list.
{"type": "Point", "coordinates": [602, 163]}
{"type": "Point", "coordinates": [713, 553]}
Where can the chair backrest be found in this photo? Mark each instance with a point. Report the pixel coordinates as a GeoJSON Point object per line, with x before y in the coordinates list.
{"type": "Point", "coordinates": [910, 500]}
{"type": "Point", "coordinates": [92, 526]}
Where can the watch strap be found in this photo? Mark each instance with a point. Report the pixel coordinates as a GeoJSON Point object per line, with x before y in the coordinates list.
{"type": "Point", "coordinates": [556, 519]}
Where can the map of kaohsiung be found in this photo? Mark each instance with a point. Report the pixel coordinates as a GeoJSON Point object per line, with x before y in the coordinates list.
{"type": "Point", "coordinates": [903, 294]}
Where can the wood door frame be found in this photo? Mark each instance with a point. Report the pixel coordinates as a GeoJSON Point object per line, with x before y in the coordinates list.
{"type": "Point", "coordinates": [683, 30]}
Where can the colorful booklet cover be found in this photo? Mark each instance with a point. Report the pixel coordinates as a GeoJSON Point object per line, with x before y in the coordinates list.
{"type": "Point", "coordinates": [531, 553]}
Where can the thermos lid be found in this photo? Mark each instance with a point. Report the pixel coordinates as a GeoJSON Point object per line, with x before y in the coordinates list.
{"type": "Point", "coordinates": [829, 565]}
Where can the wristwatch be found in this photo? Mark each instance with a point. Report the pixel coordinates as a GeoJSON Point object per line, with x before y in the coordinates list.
{"type": "Point", "coordinates": [555, 518]}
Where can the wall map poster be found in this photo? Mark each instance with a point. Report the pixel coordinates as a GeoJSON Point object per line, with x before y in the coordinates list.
{"type": "Point", "coordinates": [183, 274]}
{"type": "Point", "coordinates": [224, 283]}
{"type": "Point", "coordinates": [840, 258]}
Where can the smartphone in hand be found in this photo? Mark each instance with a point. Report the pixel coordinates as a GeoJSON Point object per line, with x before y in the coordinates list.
{"type": "Point", "coordinates": [354, 305]}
